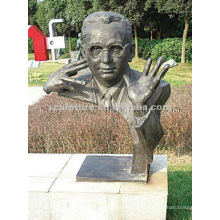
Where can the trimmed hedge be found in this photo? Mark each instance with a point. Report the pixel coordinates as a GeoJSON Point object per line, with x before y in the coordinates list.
{"type": "Point", "coordinates": [169, 47]}
{"type": "Point", "coordinates": [55, 126]}
{"type": "Point", "coordinates": [145, 47]}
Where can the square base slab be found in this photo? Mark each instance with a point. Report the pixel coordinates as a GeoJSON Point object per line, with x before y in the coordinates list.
{"type": "Point", "coordinates": [108, 169]}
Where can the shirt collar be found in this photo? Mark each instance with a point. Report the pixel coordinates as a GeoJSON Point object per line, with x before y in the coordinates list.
{"type": "Point", "coordinates": [113, 90]}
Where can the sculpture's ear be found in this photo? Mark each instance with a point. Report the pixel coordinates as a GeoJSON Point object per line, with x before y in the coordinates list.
{"type": "Point", "coordinates": [131, 52]}
{"type": "Point", "coordinates": [84, 52]}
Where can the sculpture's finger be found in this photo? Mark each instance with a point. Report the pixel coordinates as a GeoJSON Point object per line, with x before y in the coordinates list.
{"type": "Point", "coordinates": [80, 62]}
{"type": "Point", "coordinates": [157, 66]}
{"type": "Point", "coordinates": [73, 71]}
{"type": "Point", "coordinates": [147, 66]}
{"type": "Point", "coordinates": [69, 80]}
{"type": "Point", "coordinates": [147, 95]}
{"type": "Point", "coordinates": [68, 87]}
{"type": "Point", "coordinates": [163, 71]}
{"type": "Point", "coordinates": [77, 63]}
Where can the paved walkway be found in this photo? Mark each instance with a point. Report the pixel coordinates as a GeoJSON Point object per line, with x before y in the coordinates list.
{"type": "Point", "coordinates": [35, 94]}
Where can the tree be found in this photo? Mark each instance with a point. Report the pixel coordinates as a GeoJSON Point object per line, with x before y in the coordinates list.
{"type": "Point", "coordinates": [134, 11]}
{"type": "Point", "coordinates": [72, 11]}
{"type": "Point", "coordinates": [182, 8]}
{"type": "Point", "coordinates": [41, 17]}
{"type": "Point", "coordinates": [76, 11]}
{"type": "Point", "coordinates": [32, 8]}
{"type": "Point", "coordinates": [155, 23]}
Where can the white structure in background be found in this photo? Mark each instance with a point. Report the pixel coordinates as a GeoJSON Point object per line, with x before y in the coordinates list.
{"type": "Point", "coordinates": [32, 64]}
{"type": "Point", "coordinates": [55, 42]}
{"type": "Point", "coordinates": [171, 62]}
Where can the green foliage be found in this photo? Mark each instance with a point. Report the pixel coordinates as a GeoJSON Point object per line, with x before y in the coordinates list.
{"type": "Point", "coordinates": [171, 49]}
{"type": "Point", "coordinates": [41, 17]}
{"type": "Point", "coordinates": [32, 8]}
{"type": "Point", "coordinates": [73, 45]}
{"type": "Point", "coordinates": [76, 11]}
{"type": "Point", "coordinates": [51, 9]}
{"type": "Point", "coordinates": [172, 7]}
{"type": "Point", "coordinates": [72, 11]}
{"type": "Point", "coordinates": [145, 47]}
{"type": "Point", "coordinates": [30, 45]}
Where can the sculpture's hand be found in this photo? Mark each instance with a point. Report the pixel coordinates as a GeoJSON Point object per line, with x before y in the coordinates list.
{"type": "Point", "coordinates": [61, 78]}
{"type": "Point", "coordinates": [140, 91]}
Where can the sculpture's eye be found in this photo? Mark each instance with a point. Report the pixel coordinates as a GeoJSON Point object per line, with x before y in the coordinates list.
{"type": "Point", "coordinates": [116, 50]}
{"type": "Point", "coordinates": [95, 51]}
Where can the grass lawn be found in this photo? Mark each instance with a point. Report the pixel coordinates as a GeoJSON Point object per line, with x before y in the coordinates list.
{"type": "Point", "coordinates": [31, 56]}
{"type": "Point", "coordinates": [180, 192]}
{"type": "Point", "coordinates": [43, 72]}
{"type": "Point", "coordinates": [178, 75]}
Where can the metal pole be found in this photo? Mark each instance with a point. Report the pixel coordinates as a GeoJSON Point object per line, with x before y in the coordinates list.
{"type": "Point", "coordinates": [51, 31]}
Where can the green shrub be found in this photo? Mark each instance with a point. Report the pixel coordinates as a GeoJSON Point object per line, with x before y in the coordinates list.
{"type": "Point", "coordinates": [145, 47]}
{"type": "Point", "coordinates": [169, 47]}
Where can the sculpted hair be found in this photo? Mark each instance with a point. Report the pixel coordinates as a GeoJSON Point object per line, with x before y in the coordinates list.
{"type": "Point", "coordinates": [106, 18]}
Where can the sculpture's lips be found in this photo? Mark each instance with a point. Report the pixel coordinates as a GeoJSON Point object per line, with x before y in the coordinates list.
{"type": "Point", "coordinates": [107, 70]}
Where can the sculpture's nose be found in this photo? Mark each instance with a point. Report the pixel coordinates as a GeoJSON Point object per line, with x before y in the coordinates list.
{"type": "Point", "coordinates": [105, 58]}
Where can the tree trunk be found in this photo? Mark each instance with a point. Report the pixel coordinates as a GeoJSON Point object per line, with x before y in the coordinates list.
{"type": "Point", "coordinates": [158, 35]}
{"type": "Point", "coordinates": [183, 54]}
{"type": "Point", "coordinates": [69, 43]}
{"type": "Point", "coordinates": [136, 42]}
{"type": "Point", "coordinates": [151, 35]}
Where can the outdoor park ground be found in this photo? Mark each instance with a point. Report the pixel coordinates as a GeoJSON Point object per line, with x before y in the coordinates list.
{"type": "Point", "coordinates": [177, 144]}
{"type": "Point", "coordinates": [179, 75]}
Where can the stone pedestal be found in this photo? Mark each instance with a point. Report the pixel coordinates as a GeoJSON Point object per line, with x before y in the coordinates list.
{"type": "Point", "coordinates": [54, 193]}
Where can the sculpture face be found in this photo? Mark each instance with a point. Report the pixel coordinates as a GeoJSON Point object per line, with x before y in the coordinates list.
{"type": "Point", "coordinates": [107, 52]}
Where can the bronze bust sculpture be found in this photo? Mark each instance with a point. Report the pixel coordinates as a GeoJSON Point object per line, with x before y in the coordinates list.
{"type": "Point", "coordinates": [107, 48]}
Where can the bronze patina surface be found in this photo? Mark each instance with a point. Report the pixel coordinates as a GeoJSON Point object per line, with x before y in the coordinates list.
{"type": "Point", "coordinates": [107, 48]}
{"type": "Point", "coordinates": [99, 168]}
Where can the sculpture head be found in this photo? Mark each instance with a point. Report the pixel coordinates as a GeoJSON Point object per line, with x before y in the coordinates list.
{"type": "Point", "coordinates": [107, 46]}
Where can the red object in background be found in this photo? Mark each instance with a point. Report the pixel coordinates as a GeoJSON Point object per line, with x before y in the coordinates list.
{"type": "Point", "coordinates": [39, 43]}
